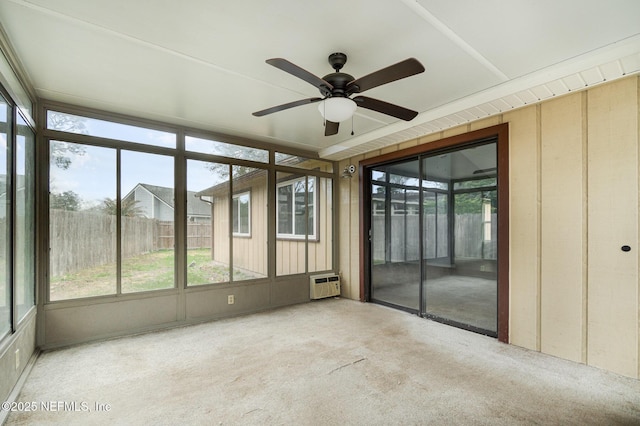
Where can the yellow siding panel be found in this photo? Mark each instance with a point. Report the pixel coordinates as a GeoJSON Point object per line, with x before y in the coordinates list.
{"type": "Point", "coordinates": [429, 138]}
{"type": "Point", "coordinates": [388, 149]}
{"type": "Point", "coordinates": [574, 182]}
{"type": "Point", "coordinates": [352, 235]}
{"type": "Point", "coordinates": [613, 222]}
{"type": "Point", "coordinates": [524, 227]}
{"type": "Point", "coordinates": [562, 278]}
{"type": "Point", "coordinates": [455, 131]}
{"type": "Point", "coordinates": [408, 144]}
{"type": "Point", "coordinates": [485, 122]}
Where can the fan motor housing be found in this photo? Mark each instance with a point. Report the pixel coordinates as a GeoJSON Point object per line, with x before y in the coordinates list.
{"type": "Point", "coordinates": [337, 60]}
{"type": "Point", "coordinates": [339, 81]}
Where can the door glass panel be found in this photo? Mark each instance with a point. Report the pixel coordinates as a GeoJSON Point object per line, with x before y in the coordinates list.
{"type": "Point", "coordinates": [434, 236]}
{"type": "Point", "coordinates": [395, 235]}
{"type": "Point", "coordinates": [460, 239]}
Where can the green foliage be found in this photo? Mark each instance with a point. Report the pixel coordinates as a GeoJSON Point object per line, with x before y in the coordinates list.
{"type": "Point", "coordinates": [472, 202]}
{"type": "Point", "coordinates": [476, 183]}
{"type": "Point", "coordinates": [67, 123]}
{"type": "Point", "coordinates": [128, 207]}
{"type": "Point", "coordinates": [61, 152]}
{"type": "Point", "coordinates": [67, 200]}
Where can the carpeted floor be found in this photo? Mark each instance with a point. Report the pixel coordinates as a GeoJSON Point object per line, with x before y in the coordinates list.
{"type": "Point", "coordinates": [329, 362]}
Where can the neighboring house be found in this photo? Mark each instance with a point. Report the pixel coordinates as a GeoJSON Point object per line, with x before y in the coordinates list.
{"type": "Point", "coordinates": [157, 202]}
{"type": "Point", "coordinates": [249, 227]}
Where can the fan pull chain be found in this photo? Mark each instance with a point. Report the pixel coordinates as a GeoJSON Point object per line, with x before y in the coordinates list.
{"type": "Point", "coordinates": [352, 125]}
{"type": "Point", "coordinates": [324, 114]}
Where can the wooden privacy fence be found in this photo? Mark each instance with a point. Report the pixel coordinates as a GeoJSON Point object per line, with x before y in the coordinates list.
{"type": "Point", "coordinates": [80, 240]}
{"type": "Point", "coordinates": [468, 237]}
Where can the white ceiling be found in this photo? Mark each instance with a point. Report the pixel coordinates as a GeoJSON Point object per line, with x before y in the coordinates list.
{"type": "Point", "coordinates": [201, 63]}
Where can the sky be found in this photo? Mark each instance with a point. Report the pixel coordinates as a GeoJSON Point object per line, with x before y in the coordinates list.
{"type": "Point", "coordinates": [92, 173]}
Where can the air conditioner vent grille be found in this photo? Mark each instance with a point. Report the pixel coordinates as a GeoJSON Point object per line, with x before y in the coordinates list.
{"type": "Point", "coordinates": [326, 285]}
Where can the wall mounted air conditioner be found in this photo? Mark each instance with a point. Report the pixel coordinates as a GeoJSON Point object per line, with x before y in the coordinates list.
{"type": "Point", "coordinates": [326, 285]}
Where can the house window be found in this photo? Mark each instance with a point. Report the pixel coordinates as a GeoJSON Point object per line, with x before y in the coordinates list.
{"type": "Point", "coordinates": [296, 205]}
{"type": "Point", "coordinates": [242, 214]}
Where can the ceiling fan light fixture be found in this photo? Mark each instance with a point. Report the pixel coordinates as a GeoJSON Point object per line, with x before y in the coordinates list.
{"type": "Point", "coordinates": [337, 109]}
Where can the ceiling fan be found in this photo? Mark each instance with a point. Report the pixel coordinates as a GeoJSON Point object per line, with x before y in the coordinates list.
{"type": "Point", "coordinates": [336, 89]}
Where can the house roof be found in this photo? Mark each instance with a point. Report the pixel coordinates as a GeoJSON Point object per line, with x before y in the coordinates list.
{"type": "Point", "coordinates": [195, 206]}
{"type": "Point", "coordinates": [240, 183]}
{"type": "Point", "coordinates": [203, 64]}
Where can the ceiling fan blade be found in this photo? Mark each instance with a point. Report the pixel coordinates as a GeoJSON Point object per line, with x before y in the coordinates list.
{"type": "Point", "coordinates": [385, 108]}
{"type": "Point", "coordinates": [303, 74]}
{"type": "Point", "coordinates": [286, 106]}
{"type": "Point", "coordinates": [403, 69]}
{"type": "Point", "coordinates": [330, 128]}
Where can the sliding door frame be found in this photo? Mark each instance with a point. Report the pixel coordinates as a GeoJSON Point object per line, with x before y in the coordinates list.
{"type": "Point", "coordinates": [501, 134]}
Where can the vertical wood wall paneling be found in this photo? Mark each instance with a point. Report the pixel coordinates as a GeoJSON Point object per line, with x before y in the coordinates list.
{"type": "Point", "coordinates": [567, 193]}
{"type": "Point", "coordinates": [352, 234]}
{"type": "Point", "coordinates": [524, 225]}
{"type": "Point", "coordinates": [613, 222]}
{"type": "Point", "coordinates": [344, 225]}
{"type": "Point", "coordinates": [562, 228]}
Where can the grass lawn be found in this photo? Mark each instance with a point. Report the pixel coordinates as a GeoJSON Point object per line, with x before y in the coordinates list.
{"type": "Point", "coordinates": [149, 271]}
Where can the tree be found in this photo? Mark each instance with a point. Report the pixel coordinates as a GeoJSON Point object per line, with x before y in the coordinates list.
{"type": "Point", "coordinates": [67, 200]}
{"type": "Point", "coordinates": [67, 123]}
{"type": "Point", "coordinates": [59, 151]}
{"type": "Point", "coordinates": [235, 151]}
{"type": "Point", "coordinates": [128, 207]}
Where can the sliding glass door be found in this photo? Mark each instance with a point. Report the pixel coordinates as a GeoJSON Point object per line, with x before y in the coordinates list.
{"type": "Point", "coordinates": [434, 236]}
{"type": "Point", "coordinates": [459, 268]}
{"type": "Point", "coordinates": [395, 236]}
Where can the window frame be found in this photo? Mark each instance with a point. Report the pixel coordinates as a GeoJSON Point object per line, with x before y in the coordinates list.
{"type": "Point", "coordinates": [235, 232]}
{"type": "Point", "coordinates": [311, 236]}
{"type": "Point", "coordinates": [18, 278]}
{"type": "Point", "coordinates": [182, 155]}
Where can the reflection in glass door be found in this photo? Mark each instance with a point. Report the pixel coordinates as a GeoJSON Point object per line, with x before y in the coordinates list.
{"type": "Point", "coordinates": [434, 236]}
{"type": "Point", "coordinates": [460, 238]}
{"type": "Point", "coordinates": [395, 235]}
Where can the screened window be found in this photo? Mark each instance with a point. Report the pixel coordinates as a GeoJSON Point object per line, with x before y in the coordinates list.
{"type": "Point", "coordinates": [113, 205]}
{"type": "Point", "coordinates": [296, 202]}
{"type": "Point", "coordinates": [224, 149]}
{"type": "Point", "coordinates": [108, 129]}
{"type": "Point", "coordinates": [17, 222]}
{"type": "Point", "coordinates": [5, 215]}
{"type": "Point", "coordinates": [303, 162]}
{"type": "Point", "coordinates": [241, 205]}
{"type": "Point", "coordinates": [111, 227]}
{"type": "Point", "coordinates": [24, 222]}
{"type": "Point", "coordinates": [208, 240]}
{"type": "Point", "coordinates": [82, 221]}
